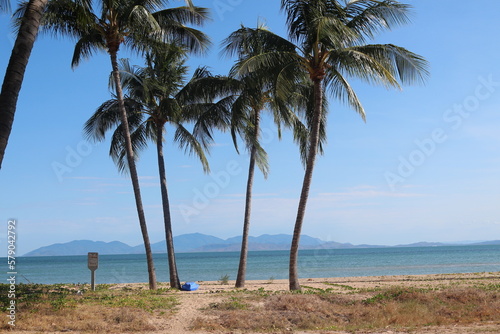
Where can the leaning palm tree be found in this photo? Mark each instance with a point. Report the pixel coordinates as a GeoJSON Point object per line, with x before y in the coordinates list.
{"type": "Point", "coordinates": [29, 23]}
{"type": "Point", "coordinates": [139, 25]}
{"type": "Point", "coordinates": [329, 38]}
{"type": "Point", "coordinates": [255, 93]}
{"type": "Point", "coordinates": [156, 98]}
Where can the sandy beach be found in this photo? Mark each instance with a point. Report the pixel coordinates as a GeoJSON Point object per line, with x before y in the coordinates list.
{"type": "Point", "coordinates": [192, 301]}
{"type": "Point", "coordinates": [193, 305]}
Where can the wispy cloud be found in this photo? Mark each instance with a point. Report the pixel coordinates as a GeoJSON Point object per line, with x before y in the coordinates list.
{"type": "Point", "coordinates": [148, 177]}
{"type": "Point", "coordinates": [368, 192]}
{"type": "Point", "coordinates": [238, 195]}
{"type": "Point", "coordinates": [488, 132]}
{"type": "Point", "coordinates": [150, 184]}
{"type": "Point", "coordinates": [86, 178]}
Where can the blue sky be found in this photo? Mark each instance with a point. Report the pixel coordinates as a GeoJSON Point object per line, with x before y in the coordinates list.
{"type": "Point", "coordinates": [425, 165]}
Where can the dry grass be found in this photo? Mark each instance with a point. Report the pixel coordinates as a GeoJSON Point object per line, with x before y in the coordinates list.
{"type": "Point", "coordinates": [398, 304]}
{"type": "Point", "coordinates": [60, 308]}
{"type": "Point", "coordinates": [396, 308]}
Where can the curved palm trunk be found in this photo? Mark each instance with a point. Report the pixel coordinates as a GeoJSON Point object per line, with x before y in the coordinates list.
{"type": "Point", "coordinates": [172, 266]}
{"type": "Point", "coordinates": [311, 158]}
{"type": "Point", "coordinates": [14, 74]}
{"type": "Point", "coordinates": [242, 269]}
{"type": "Point", "coordinates": [133, 172]}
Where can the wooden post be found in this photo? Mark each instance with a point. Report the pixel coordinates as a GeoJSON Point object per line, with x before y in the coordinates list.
{"type": "Point", "coordinates": [93, 264]}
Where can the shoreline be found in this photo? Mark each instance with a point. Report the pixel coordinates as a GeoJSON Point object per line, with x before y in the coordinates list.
{"type": "Point", "coordinates": [334, 283]}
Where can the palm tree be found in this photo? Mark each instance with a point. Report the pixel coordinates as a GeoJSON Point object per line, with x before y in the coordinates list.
{"type": "Point", "coordinates": [139, 25]}
{"type": "Point", "coordinates": [14, 75]}
{"type": "Point", "coordinates": [156, 98]}
{"type": "Point", "coordinates": [255, 93]}
{"type": "Point", "coordinates": [329, 38]}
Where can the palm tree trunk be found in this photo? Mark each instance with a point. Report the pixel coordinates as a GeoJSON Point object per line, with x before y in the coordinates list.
{"type": "Point", "coordinates": [16, 68]}
{"type": "Point", "coordinates": [133, 172]}
{"type": "Point", "coordinates": [311, 158]}
{"type": "Point", "coordinates": [172, 266]}
{"type": "Point", "coordinates": [242, 269]}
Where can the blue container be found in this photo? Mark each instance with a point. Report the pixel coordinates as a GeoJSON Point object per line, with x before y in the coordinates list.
{"type": "Point", "coordinates": [190, 286]}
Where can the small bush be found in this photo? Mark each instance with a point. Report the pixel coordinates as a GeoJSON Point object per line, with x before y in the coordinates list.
{"type": "Point", "coordinates": [224, 280]}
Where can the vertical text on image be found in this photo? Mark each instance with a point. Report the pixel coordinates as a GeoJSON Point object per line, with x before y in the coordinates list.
{"type": "Point", "coordinates": [11, 271]}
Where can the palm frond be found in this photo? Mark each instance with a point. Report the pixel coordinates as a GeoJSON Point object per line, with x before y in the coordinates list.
{"type": "Point", "coordinates": [143, 20]}
{"type": "Point", "coordinates": [139, 138]}
{"type": "Point", "coordinates": [17, 16]}
{"type": "Point", "coordinates": [205, 87]}
{"type": "Point", "coordinates": [5, 6]}
{"type": "Point", "coordinates": [358, 64]}
{"type": "Point", "coordinates": [107, 117]}
{"type": "Point", "coordinates": [187, 141]}
{"type": "Point", "coordinates": [68, 18]}
{"type": "Point", "coordinates": [130, 76]}
{"type": "Point", "coordinates": [369, 17]}
{"type": "Point", "coordinates": [250, 41]}
{"type": "Point", "coordinates": [341, 90]}
{"type": "Point", "coordinates": [86, 46]}
{"type": "Point", "coordinates": [209, 117]}
{"type": "Point", "coordinates": [174, 30]}
{"type": "Point", "coordinates": [310, 21]}
{"type": "Point", "coordinates": [183, 15]}
{"type": "Point", "coordinates": [262, 160]}
{"type": "Point", "coordinates": [405, 65]}
{"type": "Point", "coordinates": [302, 129]}
{"type": "Point", "coordinates": [266, 60]}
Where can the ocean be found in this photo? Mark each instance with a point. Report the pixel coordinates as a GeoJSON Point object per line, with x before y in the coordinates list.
{"type": "Point", "coordinates": [264, 265]}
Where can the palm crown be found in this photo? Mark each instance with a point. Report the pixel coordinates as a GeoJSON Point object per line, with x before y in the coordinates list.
{"type": "Point", "coordinates": [156, 97]}
{"type": "Point", "coordinates": [137, 24]}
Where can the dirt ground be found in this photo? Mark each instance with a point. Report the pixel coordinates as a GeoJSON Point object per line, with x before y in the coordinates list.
{"type": "Point", "coordinates": [192, 303]}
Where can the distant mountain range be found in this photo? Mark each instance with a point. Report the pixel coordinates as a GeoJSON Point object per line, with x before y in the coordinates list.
{"type": "Point", "coordinates": [197, 242]}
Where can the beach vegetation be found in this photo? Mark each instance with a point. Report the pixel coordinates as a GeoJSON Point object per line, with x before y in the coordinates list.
{"type": "Point", "coordinates": [233, 303]}
{"type": "Point", "coordinates": [393, 308]}
{"type": "Point", "coordinates": [224, 279]}
{"type": "Point", "coordinates": [342, 286]}
{"type": "Point", "coordinates": [71, 307]}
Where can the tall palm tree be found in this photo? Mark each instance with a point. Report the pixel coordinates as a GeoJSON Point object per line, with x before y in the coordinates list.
{"type": "Point", "coordinates": [329, 38]}
{"type": "Point", "coordinates": [156, 98]}
{"type": "Point", "coordinates": [139, 25]}
{"type": "Point", "coordinates": [255, 93]}
{"type": "Point", "coordinates": [14, 75]}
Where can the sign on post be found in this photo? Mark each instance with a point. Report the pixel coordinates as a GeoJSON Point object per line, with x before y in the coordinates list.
{"type": "Point", "coordinates": [93, 264]}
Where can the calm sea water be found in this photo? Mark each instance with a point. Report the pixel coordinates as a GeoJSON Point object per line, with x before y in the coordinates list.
{"type": "Point", "coordinates": [264, 264]}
